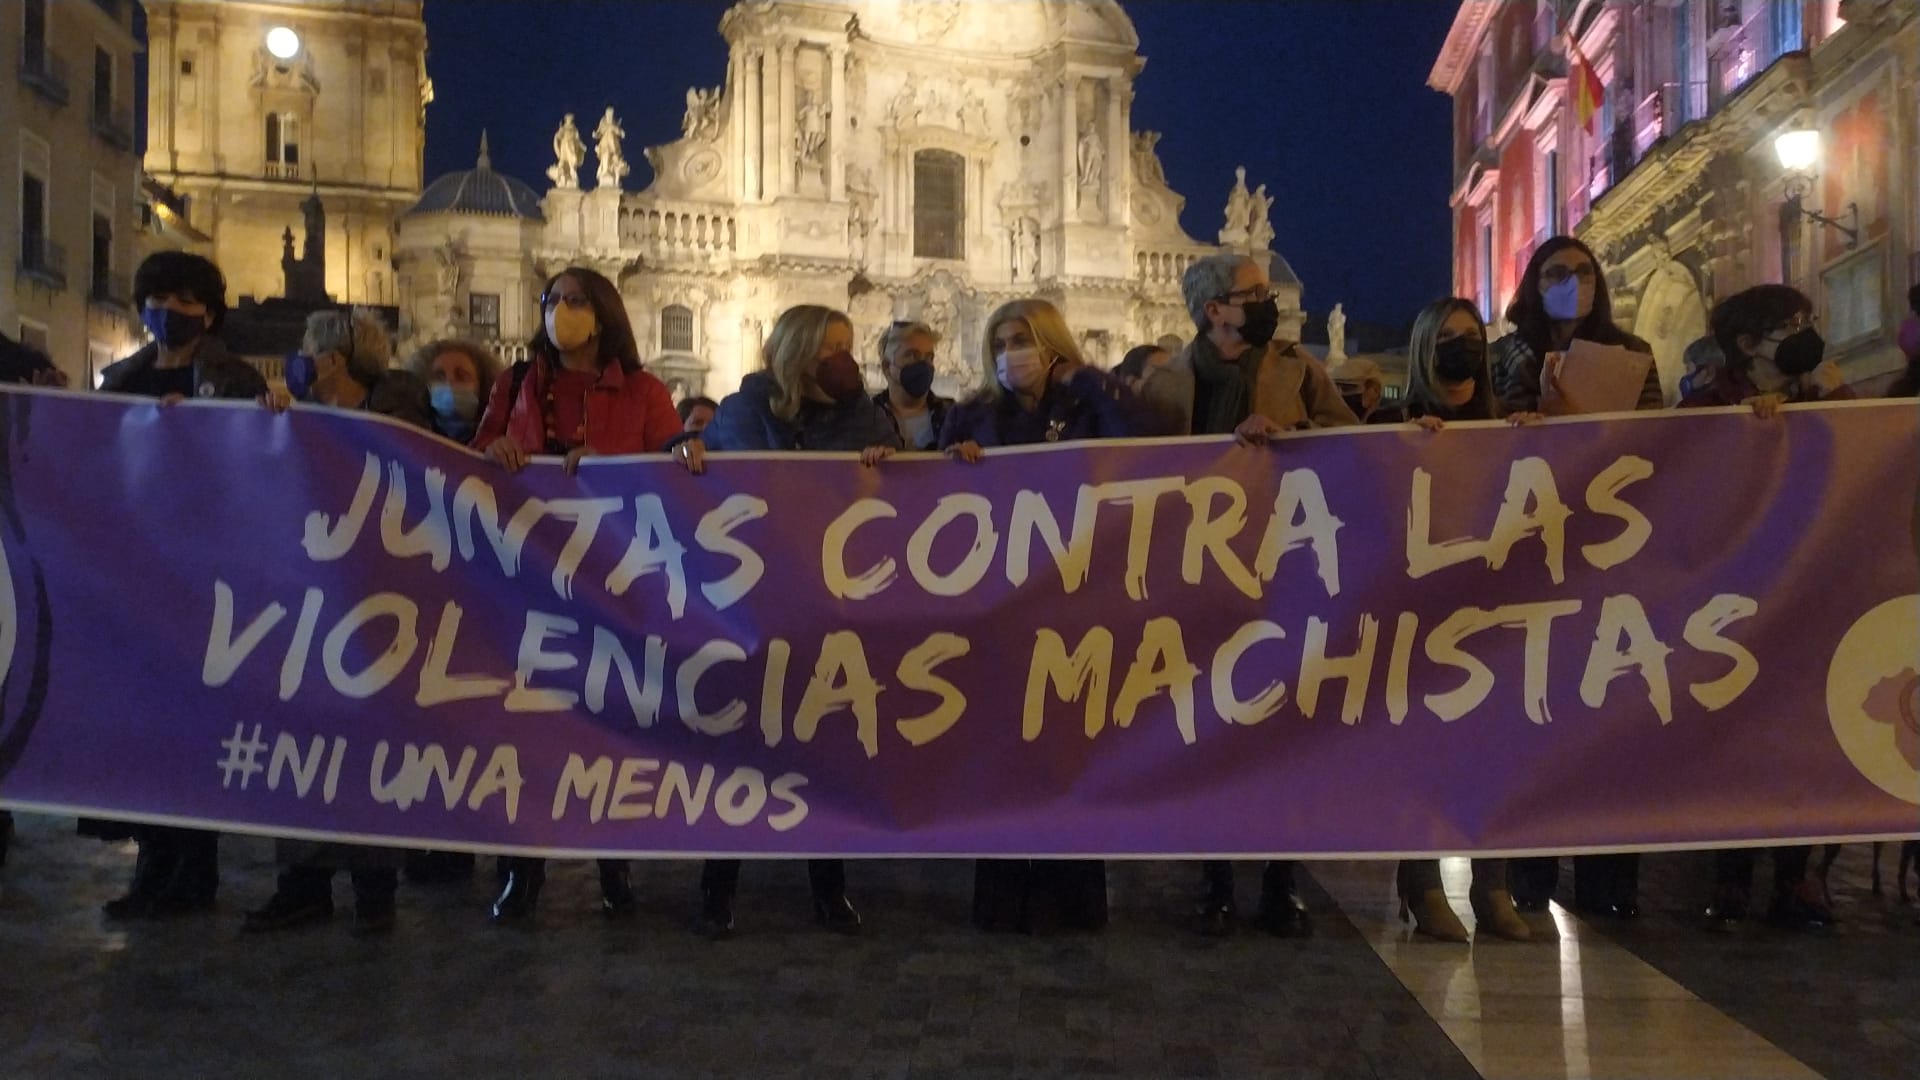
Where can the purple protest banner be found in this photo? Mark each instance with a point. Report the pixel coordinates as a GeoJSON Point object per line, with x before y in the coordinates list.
{"type": "Point", "coordinates": [1665, 630]}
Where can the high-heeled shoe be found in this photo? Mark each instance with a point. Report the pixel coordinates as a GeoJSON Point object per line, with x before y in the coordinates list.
{"type": "Point", "coordinates": [1493, 912]}
{"type": "Point", "coordinates": [616, 890]}
{"type": "Point", "coordinates": [1431, 915]}
{"type": "Point", "coordinates": [520, 892]}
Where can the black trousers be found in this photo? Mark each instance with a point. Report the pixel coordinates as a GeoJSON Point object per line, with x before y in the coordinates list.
{"type": "Point", "coordinates": [1276, 881]}
{"type": "Point", "coordinates": [1599, 881]}
{"type": "Point", "coordinates": [1038, 895]}
{"type": "Point", "coordinates": [1734, 867]}
{"type": "Point", "coordinates": [720, 878]}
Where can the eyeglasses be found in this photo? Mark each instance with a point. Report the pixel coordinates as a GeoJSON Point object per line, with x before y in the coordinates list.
{"type": "Point", "coordinates": [1558, 275]}
{"type": "Point", "coordinates": [1792, 327]}
{"type": "Point", "coordinates": [549, 301]}
{"type": "Point", "coordinates": [1257, 294]}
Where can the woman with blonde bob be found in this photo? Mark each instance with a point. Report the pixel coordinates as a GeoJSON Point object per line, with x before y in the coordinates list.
{"type": "Point", "coordinates": [1035, 388]}
{"type": "Point", "coordinates": [811, 397]}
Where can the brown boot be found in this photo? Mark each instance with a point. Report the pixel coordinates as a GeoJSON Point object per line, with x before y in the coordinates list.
{"type": "Point", "coordinates": [1493, 911]}
{"type": "Point", "coordinates": [1433, 916]}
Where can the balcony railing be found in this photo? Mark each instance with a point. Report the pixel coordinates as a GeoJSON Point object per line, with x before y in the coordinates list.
{"type": "Point", "coordinates": [1163, 267]}
{"type": "Point", "coordinates": [1737, 52]}
{"type": "Point", "coordinates": [113, 122]}
{"type": "Point", "coordinates": [42, 261]}
{"type": "Point", "coordinates": [43, 72]}
{"type": "Point", "coordinates": [666, 231]}
{"type": "Point", "coordinates": [1599, 174]}
{"type": "Point", "coordinates": [282, 170]}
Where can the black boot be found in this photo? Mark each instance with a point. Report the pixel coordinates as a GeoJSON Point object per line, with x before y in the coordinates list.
{"type": "Point", "coordinates": [373, 906]}
{"type": "Point", "coordinates": [719, 880]}
{"type": "Point", "coordinates": [1215, 913]}
{"type": "Point", "coordinates": [1533, 881]}
{"type": "Point", "coordinates": [6, 835]}
{"type": "Point", "coordinates": [831, 909]}
{"type": "Point", "coordinates": [520, 888]}
{"type": "Point", "coordinates": [303, 896]}
{"type": "Point", "coordinates": [152, 870]}
{"type": "Point", "coordinates": [196, 878]}
{"type": "Point", "coordinates": [1282, 912]}
{"type": "Point", "coordinates": [616, 889]}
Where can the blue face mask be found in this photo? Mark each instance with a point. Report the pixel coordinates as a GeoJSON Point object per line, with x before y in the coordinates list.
{"type": "Point", "coordinates": [171, 328]}
{"type": "Point", "coordinates": [456, 409]}
{"type": "Point", "coordinates": [1562, 301]}
{"type": "Point", "coordinates": [300, 373]}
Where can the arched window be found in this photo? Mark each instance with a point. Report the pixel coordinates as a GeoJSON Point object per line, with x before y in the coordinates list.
{"type": "Point", "coordinates": [676, 329]}
{"type": "Point", "coordinates": [939, 205]}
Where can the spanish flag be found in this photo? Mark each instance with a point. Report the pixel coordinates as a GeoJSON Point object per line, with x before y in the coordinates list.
{"type": "Point", "coordinates": [1588, 92]}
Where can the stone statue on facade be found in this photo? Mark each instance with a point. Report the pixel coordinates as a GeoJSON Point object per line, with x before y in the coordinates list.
{"type": "Point", "coordinates": [702, 120]}
{"type": "Point", "coordinates": [568, 153]}
{"type": "Point", "coordinates": [606, 146]}
{"type": "Point", "coordinates": [1026, 249]}
{"type": "Point", "coordinates": [810, 131]}
{"type": "Point", "coordinates": [862, 218]}
{"type": "Point", "coordinates": [1260, 220]}
{"type": "Point", "coordinates": [1092, 158]}
{"type": "Point", "coordinates": [1239, 210]}
{"type": "Point", "coordinates": [1336, 334]}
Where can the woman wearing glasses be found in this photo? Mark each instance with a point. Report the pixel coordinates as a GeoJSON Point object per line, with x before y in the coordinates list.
{"type": "Point", "coordinates": [1561, 297]}
{"type": "Point", "coordinates": [582, 393]}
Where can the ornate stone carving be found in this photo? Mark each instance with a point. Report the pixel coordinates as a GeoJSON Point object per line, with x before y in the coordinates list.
{"type": "Point", "coordinates": [1239, 210]}
{"type": "Point", "coordinates": [1146, 159]}
{"type": "Point", "coordinates": [863, 219]}
{"type": "Point", "coordinates": [606, 146]}
{"type": "Point", "coordinates": [810, 131]}
{"type": "Point", "coordinates": [1336, 332]}
{"type": "Point", "coordinates": [1025, 247]}
{"type": "Point", "coordinates": [569, 153]}
{"type": "Point", "coordinates": [702, 120]}
{"type": "Point", "coordinates": [1260, 220]}
{"type": "Point", "coordinates": [1023, 106]}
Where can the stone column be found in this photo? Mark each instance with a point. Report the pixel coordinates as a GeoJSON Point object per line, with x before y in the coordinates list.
{"type": "Point", "coordinates": [752, 142]}
{"type": "Point", "coordinates": [1069, 147]}
{"type": "Point", "coordinates": [837, 148]}
{"type": "Point", "coordinates": [1119, 150]}
{"type": "Point", "coordinates": [783, 130]}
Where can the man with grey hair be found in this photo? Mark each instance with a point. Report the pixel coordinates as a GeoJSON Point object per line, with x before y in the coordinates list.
{"type": "Point", "coordinates": [1234, 378]}
{"type": "Point", "coordinates": [906, 359]}
{"type": "Point", "coordinates": [343, 363]}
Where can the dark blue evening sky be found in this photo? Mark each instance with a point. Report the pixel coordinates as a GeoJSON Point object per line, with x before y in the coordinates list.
{"type": "Point", "coordinates": [1324, 101]}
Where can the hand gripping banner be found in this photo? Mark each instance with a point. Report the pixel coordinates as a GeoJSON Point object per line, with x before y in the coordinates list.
{"type": "Point", "coordinates": [1621, 633]}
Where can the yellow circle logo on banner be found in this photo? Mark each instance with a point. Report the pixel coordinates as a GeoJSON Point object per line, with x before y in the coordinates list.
{"type": "Point", "coordinates": [1873, 696]}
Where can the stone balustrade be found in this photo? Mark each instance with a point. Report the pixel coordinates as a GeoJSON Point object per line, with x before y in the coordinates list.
{"type": "Point", "coordinates": [669, 231]}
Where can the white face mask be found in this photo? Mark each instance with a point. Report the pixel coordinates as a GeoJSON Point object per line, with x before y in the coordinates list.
{"type": "Point", "coordinates": [1021, 370]}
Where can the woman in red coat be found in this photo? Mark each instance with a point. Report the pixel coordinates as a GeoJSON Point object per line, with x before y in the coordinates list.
{"type": "Point", "coordinates": [582, 393]}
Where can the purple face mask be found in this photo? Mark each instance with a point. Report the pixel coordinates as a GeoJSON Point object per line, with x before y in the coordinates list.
{"type": "Point", "coordinates": [1562, 301]}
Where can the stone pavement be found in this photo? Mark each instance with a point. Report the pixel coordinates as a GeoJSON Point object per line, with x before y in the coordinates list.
{"type": "Point", "coordinates": [920, 994]}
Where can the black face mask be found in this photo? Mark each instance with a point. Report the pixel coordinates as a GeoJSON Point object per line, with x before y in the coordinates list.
{"type": "Point", "coordinates": [1263, 321]}
{"type": "Point", "coordinates": [1458, 360]}
{"type": "Point", "coordinates": [1800, 352]}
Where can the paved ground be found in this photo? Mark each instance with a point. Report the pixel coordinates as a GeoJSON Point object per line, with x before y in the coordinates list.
{"type": "Point", "coordinates": [920, 994]}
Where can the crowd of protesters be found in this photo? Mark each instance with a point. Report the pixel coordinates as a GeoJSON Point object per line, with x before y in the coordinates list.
{"type": "Point", "coordinates": [585, 390]}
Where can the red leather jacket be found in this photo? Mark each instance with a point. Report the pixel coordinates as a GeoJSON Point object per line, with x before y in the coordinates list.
{"type": "Point", "coordinates": [628, 412]}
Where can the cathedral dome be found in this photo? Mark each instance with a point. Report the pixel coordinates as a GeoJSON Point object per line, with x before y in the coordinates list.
{"type": "Point", "coordinates": [1001, 28]}
{"type": "Point", "coordinates": [479, 190]}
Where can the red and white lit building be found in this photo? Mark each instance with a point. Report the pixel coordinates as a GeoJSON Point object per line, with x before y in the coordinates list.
{"type": "Point", "coordinates": [1733, 142]}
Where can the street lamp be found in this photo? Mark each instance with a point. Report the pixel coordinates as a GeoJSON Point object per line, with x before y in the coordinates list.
{"type": "Point", "coordinates": [283, 43]}
{"type": "Point", "coordinates": [1799, 152]}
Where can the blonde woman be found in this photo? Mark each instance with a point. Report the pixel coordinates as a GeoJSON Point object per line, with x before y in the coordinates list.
{"type": "Point", "coordinates": [1034, 388]}
{"type": "Point", "coordinates": [811, 394]}
{"type": "Point", "coordinates": [811, 397]}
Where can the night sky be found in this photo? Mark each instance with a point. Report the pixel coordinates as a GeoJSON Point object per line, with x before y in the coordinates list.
{"type": "Point", "coordinates": [1324, 101]}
